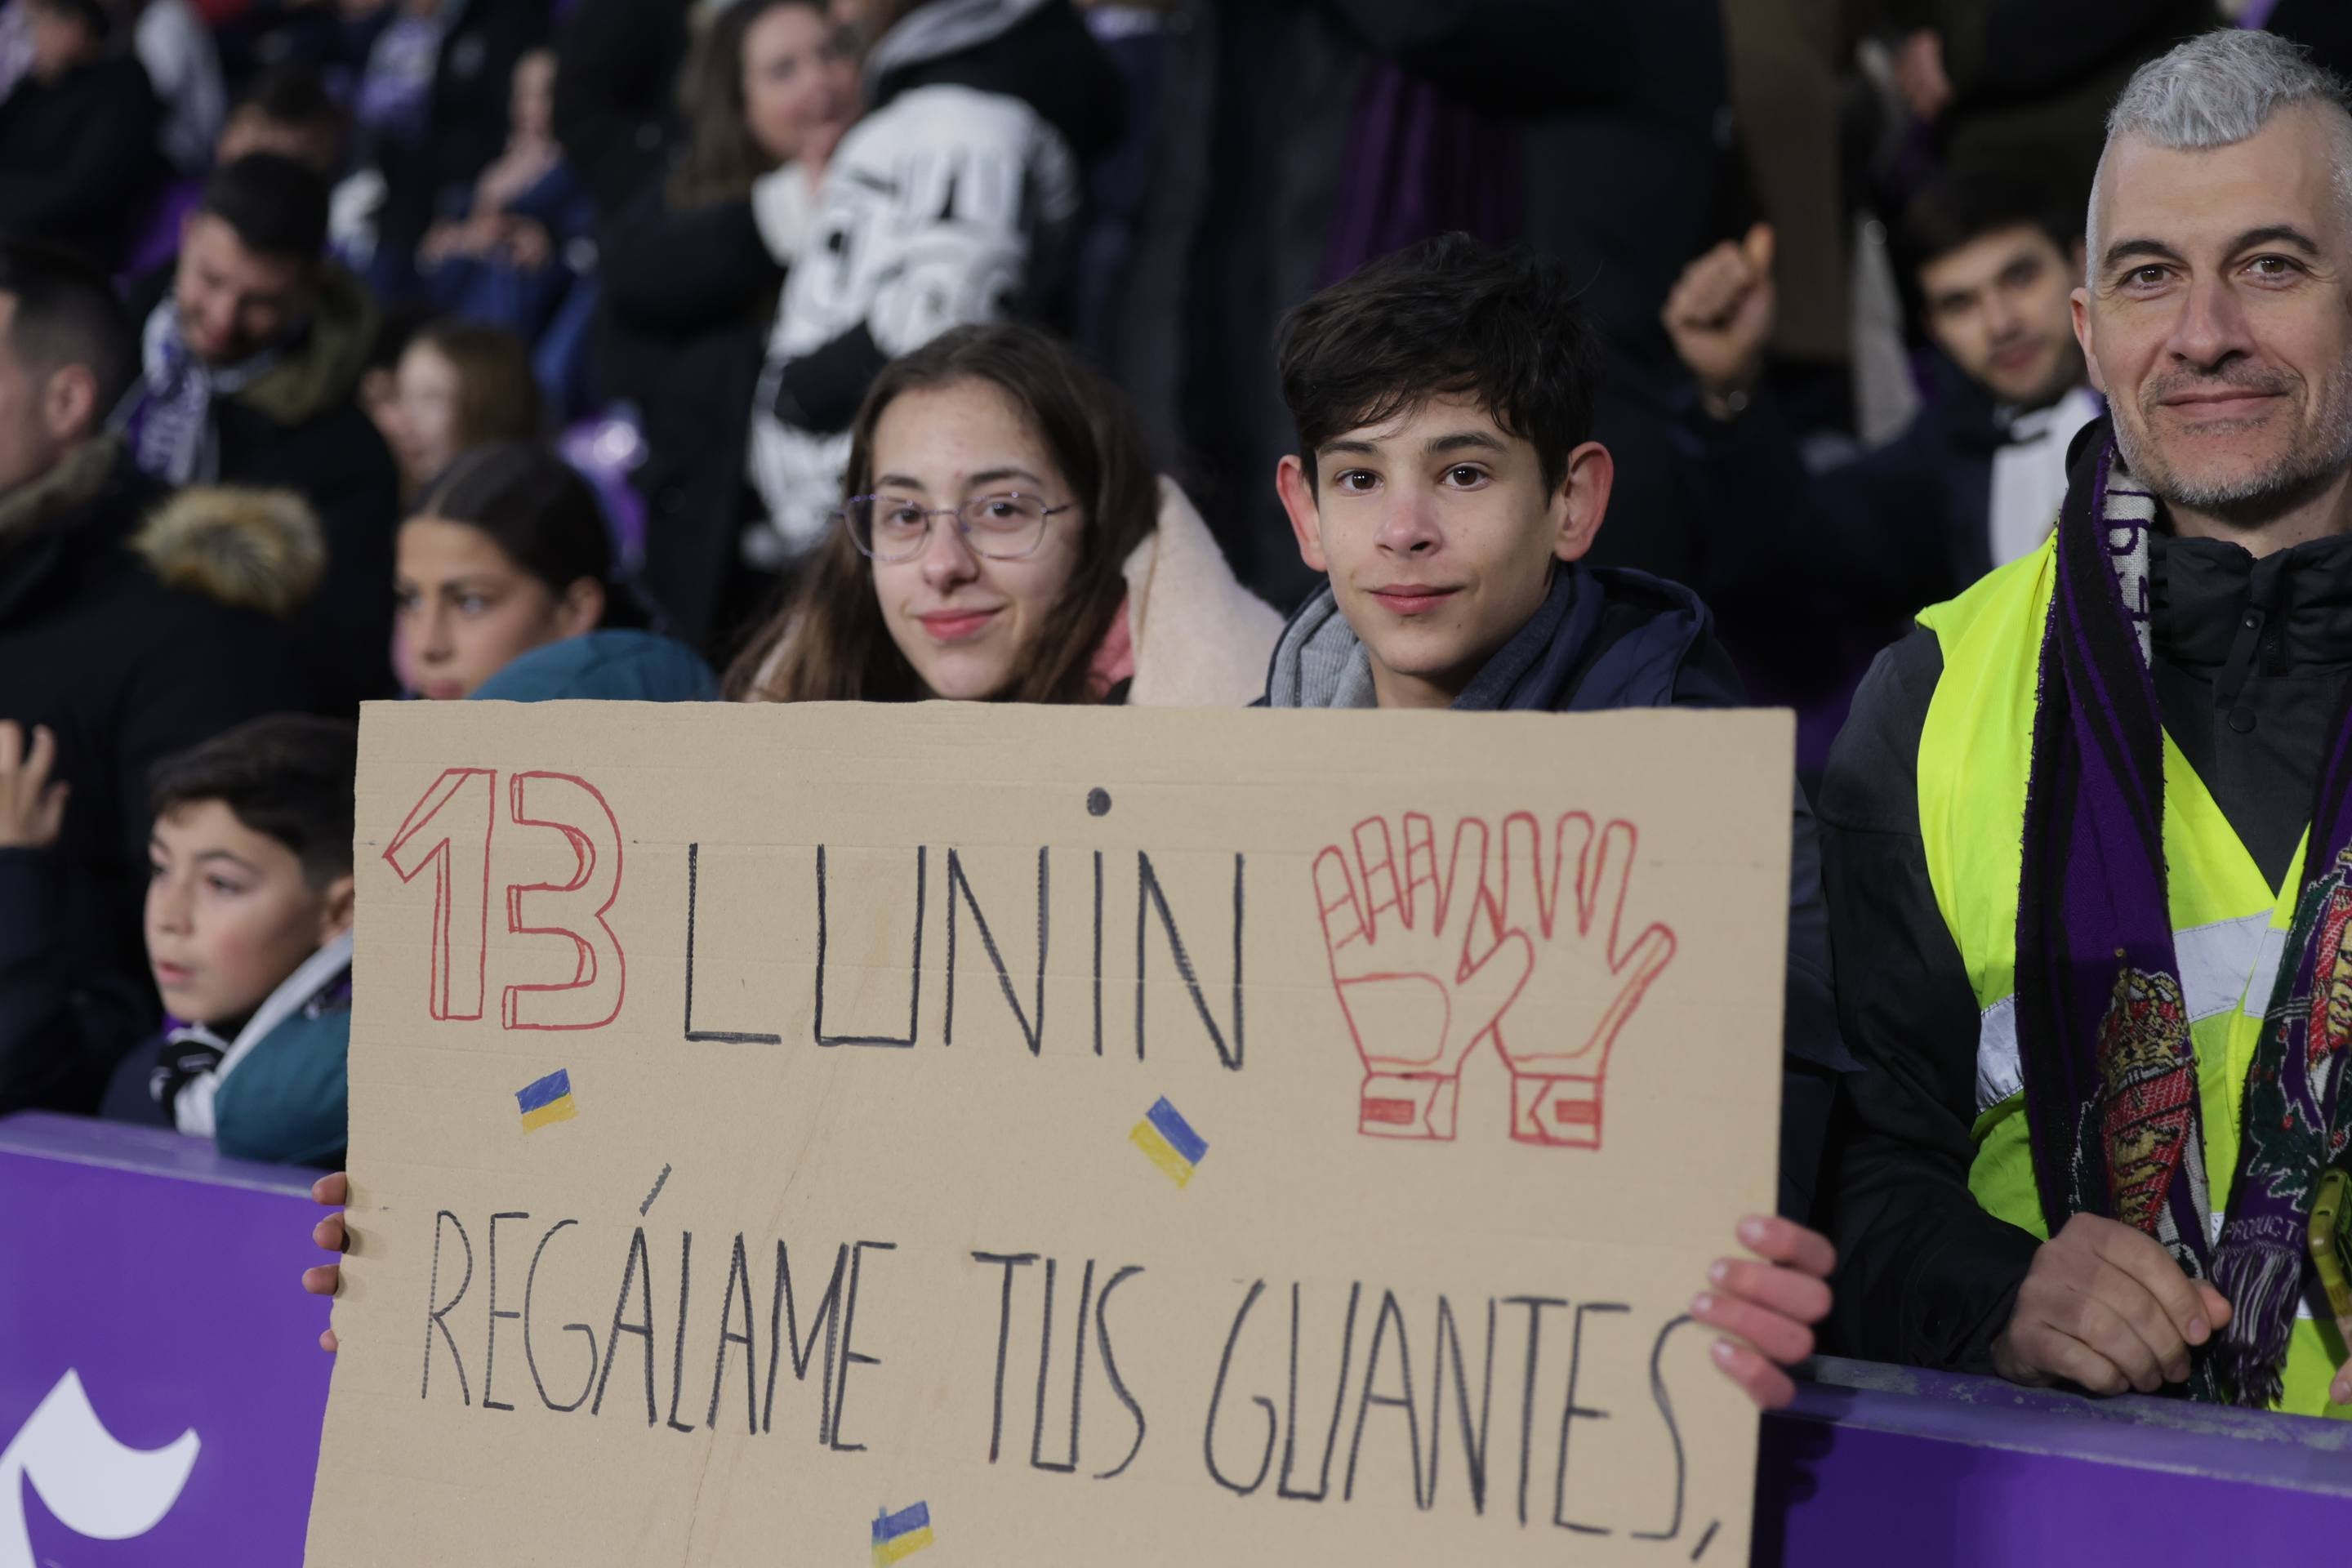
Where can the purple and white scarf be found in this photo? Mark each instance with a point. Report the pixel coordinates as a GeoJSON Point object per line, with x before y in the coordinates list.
{"type": "Point", "coordinates": [167, 418]}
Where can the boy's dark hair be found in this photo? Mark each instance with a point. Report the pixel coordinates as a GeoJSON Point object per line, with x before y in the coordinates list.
{"type": "Point", "coordinates": [1964, 203]}
{"type": "Point", "coordinates": [292, 92]}
{"type": "Point", "coordinates": [277, 206]}
{"type": "Point", "coordinates": [288, 776]}
{"type": "Point", "coordinates": [67, 313]}
{"type": "Point", "coordinates": [1447, 316]}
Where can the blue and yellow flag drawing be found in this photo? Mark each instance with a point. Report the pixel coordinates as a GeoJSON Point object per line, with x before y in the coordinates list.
{"type": "Point", "coordinates": [549, 1099]}
{"type": "Point", "coordinates": [1168, 1139]}
{"type": "Point", "coordinates": [901, 1534]}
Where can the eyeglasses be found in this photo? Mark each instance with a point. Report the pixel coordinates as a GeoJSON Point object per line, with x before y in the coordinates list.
{"type": "Point", "coordinates": [1000, 527]}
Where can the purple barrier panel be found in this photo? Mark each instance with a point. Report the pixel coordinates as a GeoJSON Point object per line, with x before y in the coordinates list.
{"type": "Point", "coordinates": [1889, 1465]}
{"type": "Point", "coordinates": [160, 1383]}
{"type": "Point", "coordinates": [161, 1394]}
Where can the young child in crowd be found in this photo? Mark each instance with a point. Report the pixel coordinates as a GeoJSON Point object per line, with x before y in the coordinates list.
{"type": "Point", "coordinates": [249, 937]}
{"type": "Point", "coordinates": [508, 552]}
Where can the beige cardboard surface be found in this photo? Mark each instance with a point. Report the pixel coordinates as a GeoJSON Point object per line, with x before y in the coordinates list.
{"type": "Point", "coordinates": [757, 1290]}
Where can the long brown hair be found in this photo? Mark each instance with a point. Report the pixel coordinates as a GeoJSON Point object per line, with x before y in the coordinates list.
{"type": "Point", "coordinates": [724, 160]}
{"type": "Point", "coordinates": [829, 642]}
{"type": "Point", "coordinates": [497, 393]}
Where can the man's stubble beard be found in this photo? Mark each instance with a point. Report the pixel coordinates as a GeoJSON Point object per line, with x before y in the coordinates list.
{"type": "Point", "coordinates": [2305, 469]}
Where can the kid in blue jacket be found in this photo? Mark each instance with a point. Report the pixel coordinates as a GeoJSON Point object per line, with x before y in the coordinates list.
{"type": "Point", "coordinates": [249, 936]}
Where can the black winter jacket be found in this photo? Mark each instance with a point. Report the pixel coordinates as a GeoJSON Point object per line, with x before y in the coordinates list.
{"type": "Point", "coordinates": [78, 157]}
{"type": "Point", "coordinates": [688, 296]}
{"type": "Point", "coordinates": [616, 72]}
{"type": "Point", "coordinates": [300, 428]}
{"type": "Point", "coordinates": [125, 671]}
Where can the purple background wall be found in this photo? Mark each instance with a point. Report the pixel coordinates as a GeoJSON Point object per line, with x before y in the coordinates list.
{"type": "Point", "coordinates": [168, 1279]}
{"type": "Point", "coordinates": [165, 1278]}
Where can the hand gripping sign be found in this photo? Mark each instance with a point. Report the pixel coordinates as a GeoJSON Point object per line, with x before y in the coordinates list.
{"type": "Point", "coordinates": [1428, 965]}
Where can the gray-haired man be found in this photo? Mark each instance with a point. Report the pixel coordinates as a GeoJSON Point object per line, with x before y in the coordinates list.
{"type": "Point", "coordinates": [2088, 835]}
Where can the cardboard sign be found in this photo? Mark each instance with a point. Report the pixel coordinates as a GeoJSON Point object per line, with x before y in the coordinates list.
{"type": "Point", "coordinates": [833, 1133]}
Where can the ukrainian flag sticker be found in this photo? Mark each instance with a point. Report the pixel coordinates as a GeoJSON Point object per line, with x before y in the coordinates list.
{"type": "Point", "coordinates": [901, 1534]}
{"type": "Point", "coordinates": [1170, 1142]}
{"type": "Point", "coordinates": [549, 1099]}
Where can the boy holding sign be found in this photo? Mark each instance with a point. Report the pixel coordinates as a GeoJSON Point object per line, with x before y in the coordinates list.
{"type": "Point", "coordinates": [1448, 485]}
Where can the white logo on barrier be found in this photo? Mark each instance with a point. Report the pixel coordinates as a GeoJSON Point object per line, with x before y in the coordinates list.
{"type": "Point", "coordinates": [96, 1486]}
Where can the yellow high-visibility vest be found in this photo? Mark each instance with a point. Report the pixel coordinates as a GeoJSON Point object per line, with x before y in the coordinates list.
{"type": "Point", "coordinates": [2228, 925]}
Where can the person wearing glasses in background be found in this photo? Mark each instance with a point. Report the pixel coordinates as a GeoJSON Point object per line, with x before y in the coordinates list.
{"type": "Point", "coordinates": [1007, 538]}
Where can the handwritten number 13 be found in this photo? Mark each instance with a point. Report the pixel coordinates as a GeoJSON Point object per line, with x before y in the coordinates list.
{"type": "Point", "coordinates": [449, 830]}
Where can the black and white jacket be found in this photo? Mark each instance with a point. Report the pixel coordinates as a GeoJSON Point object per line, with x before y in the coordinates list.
{"type": "Point", "coordinates": [952, 201]}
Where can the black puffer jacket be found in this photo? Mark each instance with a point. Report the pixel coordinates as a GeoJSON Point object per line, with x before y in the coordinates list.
{"type": "Point", "coordinates": [300, 428]}
{"type": "Point", "coordinates": [1928, 1276]}
{"type": "Point", "coordinates": [125, 670]}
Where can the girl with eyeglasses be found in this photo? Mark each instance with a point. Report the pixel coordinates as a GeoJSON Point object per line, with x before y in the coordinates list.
{"type": "Point", "coordinates": [1005, 538]}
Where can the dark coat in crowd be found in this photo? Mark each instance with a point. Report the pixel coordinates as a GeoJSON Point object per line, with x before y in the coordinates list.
{"type": "Point", "coordinates": [1903, 526]}
{"type": "Point", "coordinates": [78, 157]}
{"type": "Point", "coordinates": [688, 297]}
{"type": "Point", "coordinates": [1929, 1276]}
{"type": "Point", "coordinates": [616, 71]}
{"type": "Point", "coordinates": [2032, 79]}
{"type": "Point", "coordinates": [99, 644]}
{"type": "Point", "coordinates": [300, 428]}
{"type": "Point", "coordinates": [1904, 523]}
{"type": "Point", "coordinates": [1591, 130]}
{"type": "Point", "coordinates": [1611, 638]}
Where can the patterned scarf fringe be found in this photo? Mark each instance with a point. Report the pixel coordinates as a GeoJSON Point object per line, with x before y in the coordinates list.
{"type": "Point", "coordinates": [2262, 1282]}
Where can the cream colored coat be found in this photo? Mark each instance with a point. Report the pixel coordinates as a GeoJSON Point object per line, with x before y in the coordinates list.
{"type": "Point", "coordinates": [1202, 640]}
